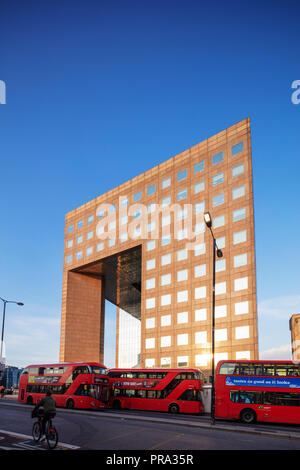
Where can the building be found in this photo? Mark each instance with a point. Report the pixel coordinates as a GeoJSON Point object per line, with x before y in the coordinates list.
{"type": "Point", "coordinates": [144, 247]}
{"type": "Point", "coordinates": [12, 376]}
{"type": "Point", "coordinates": [295, 336]}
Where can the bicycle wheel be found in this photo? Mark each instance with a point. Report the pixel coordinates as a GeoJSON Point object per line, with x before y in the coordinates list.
{"type": "Point", "coordinates": [51, 436]}
{"type": "Point", "coordinates": [36, 431]}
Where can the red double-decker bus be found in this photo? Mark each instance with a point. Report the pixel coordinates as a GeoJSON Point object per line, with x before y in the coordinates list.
{"type": "Point", "coordinates": [258, 391]}
{"type": "Point", "coordinates": [173, 390]}
{"type": "Point", "coordinates": [73, 385]}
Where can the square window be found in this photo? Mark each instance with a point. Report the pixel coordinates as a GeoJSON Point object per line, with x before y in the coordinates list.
{"type": "Point", "coordinates": [201, 360]}
{"type": "Point", "coordinates": [89, 250]}
{"type": "Point", "coordinates": [199, 187]}
{"type": "Point", "coordinates": [182, 317]}
{"type": "Point", "coordinates": [166, 183]}
{"type": "Point", "coordinates": [220, 288]}
{"type": "Point", "coordinates": [165, 280]}
{"type": "Point", "coordinates": [238, 192]}
{"type": "Point", "coordinates": [150, 343]}
{"type": "Point", "coordinates": [165, 320]}
{"type": "Point", "coordinates": [150, 322]}
{"type": "Point", "coordinates": [182, 296]}
{"type": "Point", "coordinates": [80, 224]}
{"type": "Point", "coordinates": [166, 259]}
{"type": "Point", "coordinates": [238, 170]}
{"type": "Point", "coordinates": [199, 207]}
{"type": "Point", "coordinates": [200, 270]}
{"type": "Point", "coordinates": [182, 254]}
{"type": "Point", "coordinates": [240, 260]}
{"type": "Point", "coordinates": [182, 361]}
{"type": "Point", "coordinates": [100, 246]}
{"type": "Point", "coordinates": [200, 249]}
{"type": "Point", "coordinates": [220, 311]}
{"type": "Point", "coordinates": [242, 332]}
{"type": "Point", "coordinates": [111, 242]}
{"type": "Point", "coordinates": [242, 355]}
{"type": "Point", "coordinates": [218, 179]}
{"type": "Point", "coordinates": [165, 300]}
{"type": "Point", "coordinates": [150, 362]}
{"type": "Point", "coordinates": [181, 175]}
{"type": "Point", "coordinates": [221, 335]}
{"type": "Point", "coordinates": [241, 308]}
{"type": "Point", "coordinates": [182, 339]}
{"type": "Point", "coordinates": [217, 158]}
{"type": "Point", "coordinates": [166, 201]}
{"type": "Point", "coordinates": [219, 221]}
{"type": "Point", "coordinates": [218, 200]}
{"type": "Point", "coordinates": [200, 314]}
{"type": "Point", "coordinates": [69, 243]}
{"type": "Point", "coordinates": [150, 303]}
{"type": "Point", "coordinates": [151, 190]}
{"type": "Point", "coordinates": [165, 362]}
{"type": "Point", "coordinates": [90, 219]}
{"type": "Point", "coordinates": [181, 194]}
{"type": "Point", "coordinates": [150, 264]}
{"type": "Point", "coordinates": [201, 337]}
{"type": "Point", "coordinates": [237, 148]}
{"type": "Point", "coordinates": [137, 196]}
{"type": "Point", "coordinates": [239, 214]}
{"type": "Point", "coordinates": [200, 292]}
{"type": "Point", "coordinates": [79, 255]}
{"type": "Point", "coordinates": [220, 265]}
{"type": "Point", "coordinates": [165, 341]}
{"type": "Point", "coordinates": [199, 167]}
{"type": "Point", "coordinates": [240, 237]}
{"type": "Point", "coordinates": [241, 283]}
{"type": "Point", "coordinates": [182, 275]}
{"type": "Point", "coordinates": [150, 245]}
{"type": "Point", "coordinates": [89, 235]}
{"type": "Point", "coordinates": [150, 283]}
{"type": "Point", "coordinates": [220, 242]}
{"type": "Point", "coordinates": [70, 228]}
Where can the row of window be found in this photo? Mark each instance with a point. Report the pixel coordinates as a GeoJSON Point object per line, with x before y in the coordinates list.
{"type": "Point", "coordinates": [265, 398]}
{"type": "Point", "coordinates": [199, 360]}
{"type": "Point", "coordinates": [200, 337]}
{"type": "Point", "coordinates": [181, 176]}
{"type": "Point", "coordinates": [187, 395]}
{"type": "Point", "coordinates": [199, 293]}
{"type": "Point", "coordinates": [240, 308]}
{"type": "Point", "coordinates": [219, 221]}
{"type": "Point", "coordinates": [258, 368]}
{"type": "Point", "coordinates": [181, 195]}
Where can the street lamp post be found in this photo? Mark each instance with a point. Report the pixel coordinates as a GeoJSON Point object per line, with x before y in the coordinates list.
{"type": "Point", "coordinates": [208, 221]}
{"type": "Point", "coordinates": [3, 318]}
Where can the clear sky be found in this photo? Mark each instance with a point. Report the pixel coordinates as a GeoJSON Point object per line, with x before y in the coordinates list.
{"type": "Point", "coordinates": [98, 91]}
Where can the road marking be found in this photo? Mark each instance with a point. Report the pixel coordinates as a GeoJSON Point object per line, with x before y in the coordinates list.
{"type": "Point", "coordinates": [25, 436]}
{"type": "Point", "coordinates": [165, 441]}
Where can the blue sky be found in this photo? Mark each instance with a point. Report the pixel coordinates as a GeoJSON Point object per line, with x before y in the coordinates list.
{"type": "Point", "coordinates": [93, 82]}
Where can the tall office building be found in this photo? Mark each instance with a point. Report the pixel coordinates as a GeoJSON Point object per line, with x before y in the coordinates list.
{"type": "Point", "coordinates": [295, 336]}
{"type": "Point", "coordinates": [144, 246]}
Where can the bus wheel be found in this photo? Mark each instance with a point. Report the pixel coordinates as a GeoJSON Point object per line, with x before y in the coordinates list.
{"type": "Point", "coordinates": [173, 408]}
{"type": "Point", "coordinates": [29, 400]}
{"type": "Point", "coordinates": [116, 405]}
{"type": "Point", "coordinates": [248, 416]}
{"type": "Point", "coordinates": [70, 404]}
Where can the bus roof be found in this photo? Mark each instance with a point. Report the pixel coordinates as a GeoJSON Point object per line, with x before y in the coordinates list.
{"type": "Point", "coordinates": [155, 369]}
{"type": "Point", "coordinates": [61, 364]}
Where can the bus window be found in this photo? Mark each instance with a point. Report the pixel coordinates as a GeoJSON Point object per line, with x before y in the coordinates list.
{"type": "Point", "coordinates": [291, 370]}
{"type": "Point", "coordinates": [269, 369]}
{"type": "Point", "coordinates": [141, 393]}
{"type": "Point", "coordinates": [251, 369]}
{"type": "Point", "coordinates": [229, 368]}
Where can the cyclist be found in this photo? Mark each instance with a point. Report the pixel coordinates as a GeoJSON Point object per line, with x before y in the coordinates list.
{"type": "Point", "coordinates": [49, 405]}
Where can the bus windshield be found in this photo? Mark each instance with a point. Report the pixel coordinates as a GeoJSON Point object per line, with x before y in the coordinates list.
{"type": "Point", "coordinates": [98, 370]}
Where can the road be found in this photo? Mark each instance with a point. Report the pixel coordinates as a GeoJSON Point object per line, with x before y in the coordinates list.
{"type": "Point", "coordinates": [102, 430]}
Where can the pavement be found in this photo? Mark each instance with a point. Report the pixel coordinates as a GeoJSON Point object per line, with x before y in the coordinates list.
{"type": "Point", "coordinates": [220, 425]}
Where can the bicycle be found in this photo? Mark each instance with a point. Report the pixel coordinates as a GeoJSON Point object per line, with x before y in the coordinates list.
{"type": "Point", "coordinates": [50, 431]}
